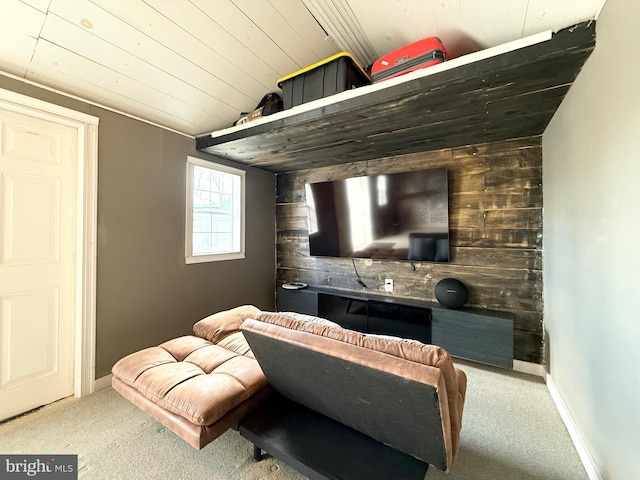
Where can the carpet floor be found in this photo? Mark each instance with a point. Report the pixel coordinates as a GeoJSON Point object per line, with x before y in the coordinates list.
{"type": "Point", "coordinates": [510, 430]}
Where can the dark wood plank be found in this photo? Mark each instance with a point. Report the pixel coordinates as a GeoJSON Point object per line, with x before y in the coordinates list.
{"type": "Point", "coordinates": [498, 289]}
{"type": "Point", "coordinates": [492, 238]}
{"type": "Point", "coordinates": [528, 346]}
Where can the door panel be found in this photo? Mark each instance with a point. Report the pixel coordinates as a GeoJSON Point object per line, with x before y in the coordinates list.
{"type": "Point", "coordinates": [31, 141]}
{"type": "Point", "coordinates": [21, 316]}
{"type": "Point", "coordinates": [30, 235]}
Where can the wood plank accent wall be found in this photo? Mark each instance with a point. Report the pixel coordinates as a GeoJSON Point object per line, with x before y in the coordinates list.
{"type": "Point", "coordinates": [495, 221]}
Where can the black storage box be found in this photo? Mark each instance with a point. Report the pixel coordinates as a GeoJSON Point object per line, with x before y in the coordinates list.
{"type": "Point", "coordinates": [332, 75]}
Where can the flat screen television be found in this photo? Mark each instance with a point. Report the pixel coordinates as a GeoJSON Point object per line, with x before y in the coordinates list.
{"type": "Point", "coordinates": [399, 216]}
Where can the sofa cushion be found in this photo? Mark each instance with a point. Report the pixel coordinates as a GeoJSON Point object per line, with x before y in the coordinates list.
{"type": "Point", "coordinates": [192, 377]}
{"type": "Point", "coordinates": [222, 324]}
{"type": "Point", "coordinates": [236, 343]}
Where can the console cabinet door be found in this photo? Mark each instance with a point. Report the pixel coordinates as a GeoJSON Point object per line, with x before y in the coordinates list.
{"type": "Point", "coordinates": [301, 301]}
{"type": "Point", "coordinates": [483, 338]}
{"type": "Point", "coordinates": [347, 312]}
{"type": "Point", "coordinates": [400, 321]}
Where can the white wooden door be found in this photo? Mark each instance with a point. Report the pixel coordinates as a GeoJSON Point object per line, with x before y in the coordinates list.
{"type": "Point", "coordinates": [38, 169]}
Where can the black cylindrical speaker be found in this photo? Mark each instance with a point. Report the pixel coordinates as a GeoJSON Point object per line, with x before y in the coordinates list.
{"type": "Point", "coordinates": [451, 293]}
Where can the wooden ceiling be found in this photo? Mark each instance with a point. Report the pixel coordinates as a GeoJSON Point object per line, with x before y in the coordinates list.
{"type": "Point", "coordinates": [510, 92]}
{"type": "Point", "coordinates": [194, 65]}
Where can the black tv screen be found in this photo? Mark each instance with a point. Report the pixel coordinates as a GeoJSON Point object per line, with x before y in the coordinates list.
{"type": "Point", "coordinates": [399, 216]}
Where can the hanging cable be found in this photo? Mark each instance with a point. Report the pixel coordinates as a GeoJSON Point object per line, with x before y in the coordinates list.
{"type": "Point", "coordinates": [358, 279]}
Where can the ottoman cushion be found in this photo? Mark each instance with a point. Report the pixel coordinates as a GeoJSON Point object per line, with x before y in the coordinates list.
{"type": "Point", "coordinates": [192, 377]}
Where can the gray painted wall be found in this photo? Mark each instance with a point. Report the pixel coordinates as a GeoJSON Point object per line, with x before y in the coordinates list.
{"type": "Point", "coordinates": [146, 294]}
{"type": "Point", "coordinates": [591, 262]}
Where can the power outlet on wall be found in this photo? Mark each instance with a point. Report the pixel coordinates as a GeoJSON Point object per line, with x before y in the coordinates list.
{"type": "Point", "coordinates": [388, 285]}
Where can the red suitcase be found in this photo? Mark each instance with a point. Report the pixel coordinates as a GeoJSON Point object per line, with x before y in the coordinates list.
{"type": "Point", "coordinates": [423, 53]}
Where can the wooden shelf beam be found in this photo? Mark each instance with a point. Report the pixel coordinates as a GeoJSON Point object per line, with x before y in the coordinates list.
{"type": "Point", "coordinates": [499, 94]}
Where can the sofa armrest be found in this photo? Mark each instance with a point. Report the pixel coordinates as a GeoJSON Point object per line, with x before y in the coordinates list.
{"type": "Point", "coordinates": [220, 325]}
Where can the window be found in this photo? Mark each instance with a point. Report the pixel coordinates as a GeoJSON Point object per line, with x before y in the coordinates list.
{"type": "Point", "coordinates": [215, 212]}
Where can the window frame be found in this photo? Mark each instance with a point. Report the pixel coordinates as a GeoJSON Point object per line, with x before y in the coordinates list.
{"type": "Point", "coordinates": [190, 258]}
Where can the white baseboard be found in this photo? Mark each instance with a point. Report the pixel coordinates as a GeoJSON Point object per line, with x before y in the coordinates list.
{"type": "Point", "coordinates": [102, 383]}
{"type": "Point", "coordinates": [574, 433]}
{"type": "Point", "coordinates": [530, 368]}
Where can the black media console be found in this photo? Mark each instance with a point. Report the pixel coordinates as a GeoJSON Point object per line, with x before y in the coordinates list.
{"type": "Point", "coordinates": [474, 334]}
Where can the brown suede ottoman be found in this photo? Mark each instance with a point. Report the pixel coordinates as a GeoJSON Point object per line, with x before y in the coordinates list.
{"type": "Point", "coordinates": [199, 385]}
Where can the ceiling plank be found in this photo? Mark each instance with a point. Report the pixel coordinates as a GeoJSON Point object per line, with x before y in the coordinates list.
{"type": "Point", "coordinates": [552, 14]}
{"type": "Point", "coordinates": [16, 16]}
{"type": "Point", "coordinates": [257, 45]}
{"type": "Point", "coordinates": [470, 25]}
{"type": "Point", "coordinates": [110, 26]}
{"type": "Point", "coordinates": [82, 42]}
{"type": "Point", "coordinates": [394, 24]}
{"type": "Point", "coordinates": [343, 27]}
{"type": "Point", "coordinates": [113, 30]}
{"type": "Point", "coordinates": [20, 25]}
{"type": "Point", "coordinates": [41, 5]}
{"type": "Point", "coordinates": [207, 30]}
{"type": "Point", "coordinates": [16, 50]}
{"type": "Point", "coordinates": [187, 44]}
{"type": "Point", "coordinates": [296, 14]}
{"type": "Point", "coordinates": [539, 15]}
{"type": "Point", "coordinates": [271, 22]}
{"type": "Point", "coordinates": [52, 64]}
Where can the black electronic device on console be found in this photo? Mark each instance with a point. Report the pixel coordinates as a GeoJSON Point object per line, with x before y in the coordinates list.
{"type": "Point", "coordinates": [451, 293]}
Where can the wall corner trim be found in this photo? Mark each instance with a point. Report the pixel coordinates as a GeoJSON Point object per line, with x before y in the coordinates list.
{"type": "Point", "coordinates": [576, 437]}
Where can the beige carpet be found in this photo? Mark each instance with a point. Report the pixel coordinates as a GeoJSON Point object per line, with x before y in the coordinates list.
{"type": "Point", "coordinates": [511, 430]}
